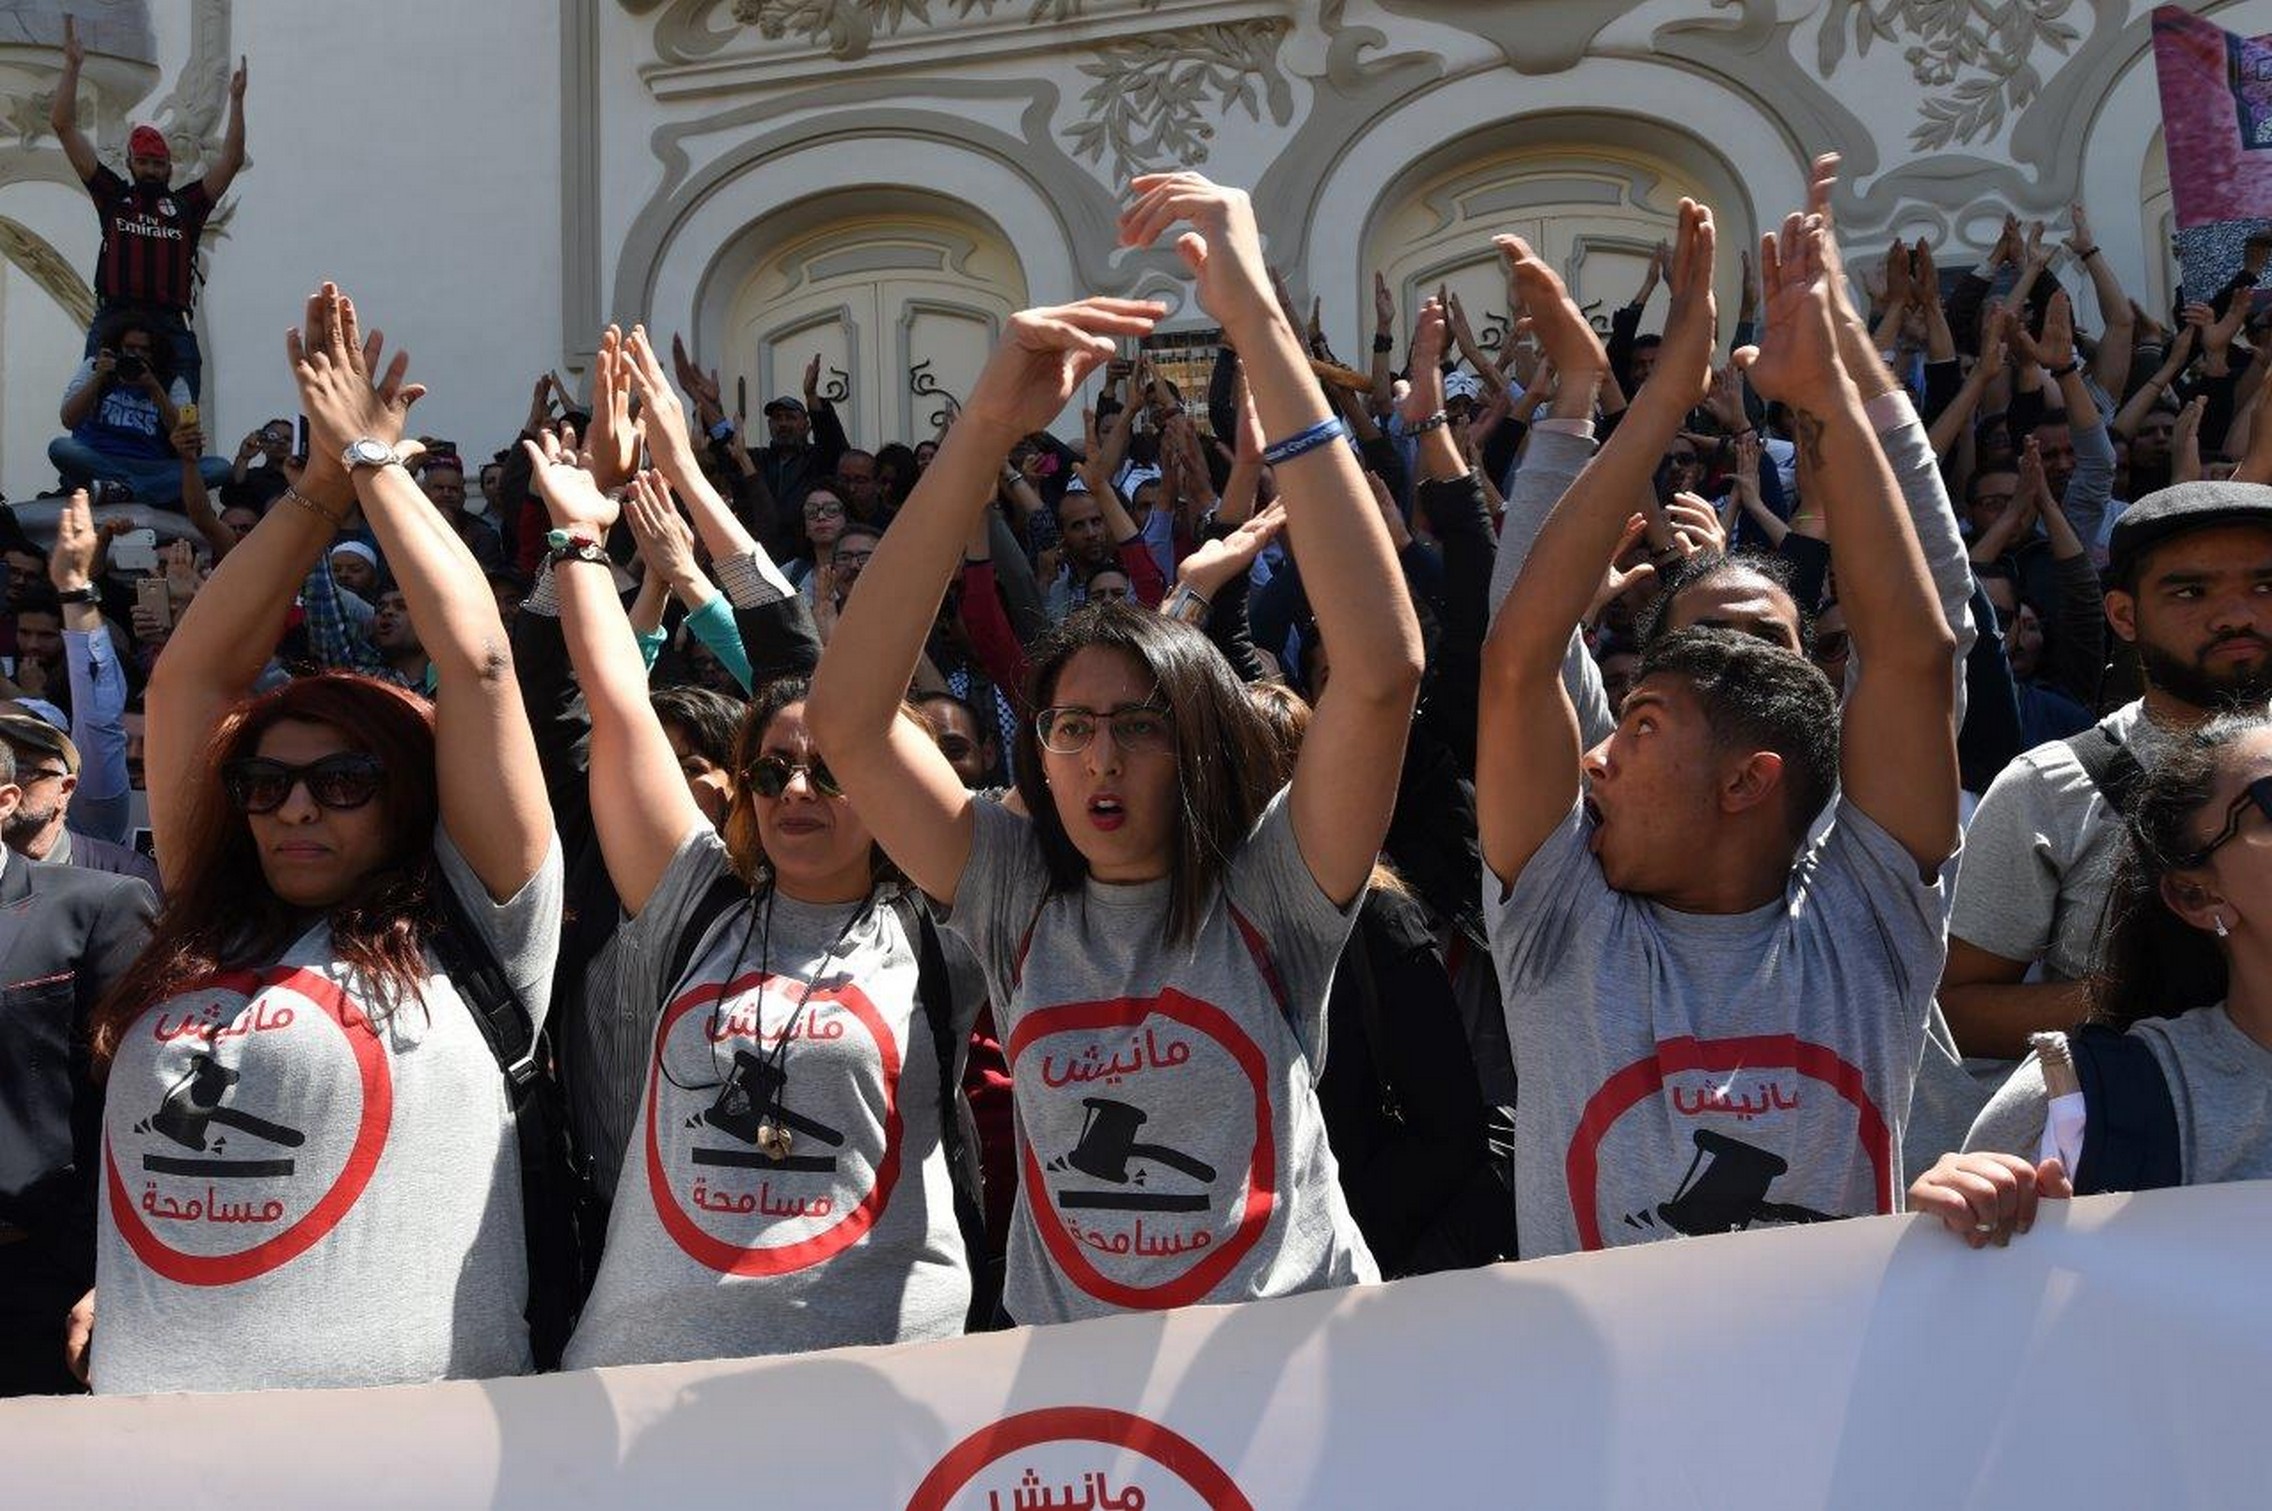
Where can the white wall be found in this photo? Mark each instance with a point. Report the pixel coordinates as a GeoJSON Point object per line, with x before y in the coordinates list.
{"type": "Point", "coordinates": [408, 150]}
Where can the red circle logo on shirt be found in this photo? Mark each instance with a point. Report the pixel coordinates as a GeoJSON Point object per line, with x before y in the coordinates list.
{"type": "Point", "coordinates": [1099, 1457]}
{"type": "Point", "coordinates": [230, 1188]}
{"type": "Point", "coordinates": [1130, 1216]}
{"type": "Point", "coordinates": [727, 1203]}
{"type": "Point", "coordinates": [1732, 1180]}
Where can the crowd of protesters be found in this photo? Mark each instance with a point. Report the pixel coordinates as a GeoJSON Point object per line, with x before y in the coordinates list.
{"type": "Point", "coordinates": [1688, 784]}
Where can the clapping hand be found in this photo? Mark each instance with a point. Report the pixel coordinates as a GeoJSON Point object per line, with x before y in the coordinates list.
{"type": "Point", "coordinates": [1215, 562]}
{"type": "Point", "coordinates": [333, 365]}
{"type": "Point", "coordinates": [1222, 249]}
{"type": "Point", "coordinates": [1797, 359]}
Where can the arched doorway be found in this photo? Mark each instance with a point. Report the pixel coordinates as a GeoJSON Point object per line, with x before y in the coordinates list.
{"type": "Point", "coordinates": [1593, 192]}
{"type": "Point", "coordinates": [901, 295]}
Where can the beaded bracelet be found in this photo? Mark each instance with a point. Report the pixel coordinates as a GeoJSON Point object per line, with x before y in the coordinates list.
{"type": "Point", "coordinates": [1323, 433]}
{"type": "Point", "coordinates": [1436, 421]}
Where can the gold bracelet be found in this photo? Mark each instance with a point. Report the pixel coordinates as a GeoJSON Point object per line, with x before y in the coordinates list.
{"type": "Point", "coordinates": [295, 496]}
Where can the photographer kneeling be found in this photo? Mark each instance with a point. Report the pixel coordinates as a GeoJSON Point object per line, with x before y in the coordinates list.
{"type": "Point", "coordinates": [120, 407]}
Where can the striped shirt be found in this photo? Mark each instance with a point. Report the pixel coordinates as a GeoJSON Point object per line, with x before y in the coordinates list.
{"type": "Point", "coordinates": [149, 247]}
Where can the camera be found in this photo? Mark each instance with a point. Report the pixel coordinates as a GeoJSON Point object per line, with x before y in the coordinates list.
{"type": "Point", "coordinates": [132, 368]}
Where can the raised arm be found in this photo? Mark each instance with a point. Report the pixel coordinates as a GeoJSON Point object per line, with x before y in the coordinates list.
{"type": "Point", "coordinates": [492, 789]}
{"type": "Point", "coordinates": [1528, 743]}
{"type": "Point", "coordinates": [224, 170]}
{"type": "Point", "coordinates": [2110, 364]}
{"type": "Point", "coordinates": [641, 808]}
{"type": "Point", "coordinates": [1344, 785]}
{"type": "Point", "coordinates": [229, 630]}
{"type": "Point", "coordinates": [63, 111]}
{"type": "Point", "coordinates": [903, 789]}
{"type": "Point", "coordinates": [1898, 761]}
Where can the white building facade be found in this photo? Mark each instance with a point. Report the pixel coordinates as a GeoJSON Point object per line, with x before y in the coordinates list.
{"type": "Point", "coordinates": [880, 182]}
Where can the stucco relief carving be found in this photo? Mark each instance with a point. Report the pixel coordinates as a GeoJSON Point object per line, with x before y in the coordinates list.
{"type": "Point", "coordinates": [45, 266]}
{"type": "Point", "coordinates": [1151, 102]}
{"type": "Point", "coordinates": [1979, 54]}
{"type": "Point", "coordinates": [848, 28]}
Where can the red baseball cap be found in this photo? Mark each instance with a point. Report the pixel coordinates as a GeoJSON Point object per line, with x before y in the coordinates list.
{"type": "Point", "coordinates": [148, 141]}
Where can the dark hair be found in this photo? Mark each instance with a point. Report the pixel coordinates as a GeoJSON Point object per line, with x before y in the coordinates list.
{"type": "Point", "coordinates": [896, 469]}
{"type": "Point", "coordinates": [1226, 771]}
{"type": "Point", "coordinates": [39, 598]}
{"type": "Point", "coordinates": [709, 719]}
{"type": "Point", "coordinates": [2155, 963]}
{"type": "Point", "coordinates": [1758, 696]}
{"type": "Point", "coordinates": [1655, 620]}
{"type": "Point", "coordinates": [221, 913]}
{"type": "Point", "coordinates": [161, 344]}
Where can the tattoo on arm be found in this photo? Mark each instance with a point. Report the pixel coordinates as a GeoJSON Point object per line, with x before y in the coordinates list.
{"type": "Point", "coordinates": [1809, 428]}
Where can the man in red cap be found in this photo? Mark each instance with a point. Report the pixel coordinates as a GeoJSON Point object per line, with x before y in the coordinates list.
{"type": "Point", "coordinates": [150, 229]}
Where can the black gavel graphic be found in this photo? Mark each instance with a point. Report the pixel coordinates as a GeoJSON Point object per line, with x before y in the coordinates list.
{"type": "Point", "coordinates": [1108, 1145]}
{"type": "Point", "coordinates": [194, 1101]}
{"type": "Point", "coordinates": [1730, 1190]}
{"type": "Point", "coordinates": [751, 1098]}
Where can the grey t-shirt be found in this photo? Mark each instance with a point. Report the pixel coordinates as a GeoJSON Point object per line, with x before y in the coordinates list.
{"type": "Point", "coordinates": [716, 1249]}
{"type": "Point", "coordinates": [1688, 1073]}
{"type": "Point", "coordinates": [1170, 1146]}
{"type": "Point", "coordinates": [2039, 854]}
{"type": "Point", "coordinates": [303, 1187]}
{"type": "Point", "coordinates": [2219, 1078]}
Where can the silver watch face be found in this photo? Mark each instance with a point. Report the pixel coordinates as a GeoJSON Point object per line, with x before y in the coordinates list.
{"type": "Point", "coordinates": [367, 453]}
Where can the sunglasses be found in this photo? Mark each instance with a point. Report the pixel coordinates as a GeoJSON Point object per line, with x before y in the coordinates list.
{"type": "Point", "coordinates": [2257, 795]}
{"type": "Point", "coordinates": [771, 776]}
{"type": "Point", "coordinates": [1069, 731]}
{"type": "Point", "coordinates": [337, 782]}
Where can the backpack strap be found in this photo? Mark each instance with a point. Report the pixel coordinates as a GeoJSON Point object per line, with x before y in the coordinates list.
{"type": "Point", "coordinates": [958, 1132]}
{"type": "Point", "coordinates": [715, 902]}
{"type": "Point", "coordinates": [2130, 1140]}
{"type": "Point", "coordinates": [554, 1218]}
{"type": "Point", "coordinates": [2113, 770]}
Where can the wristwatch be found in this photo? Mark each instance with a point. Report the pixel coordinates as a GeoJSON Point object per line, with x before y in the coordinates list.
{"type": "Point", "coordinates": [77, 595]}
{"type": "Point", "coordinates": [367, 451]}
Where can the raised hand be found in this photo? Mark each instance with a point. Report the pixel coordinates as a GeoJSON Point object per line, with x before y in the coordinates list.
{"type": "Point", "coordinates": [1425, 395]}
{"type": "Point", "coordinates": [1045, 355]}
{"type": "Point", "coordinates": [74, 51]}
{"type": "Point", "coordinates": [1384, 304]}
{"type": "Point", "coordinates": [1725, 401]}
{"type": "Point", "coordinates": [237, 82]}
{"type": "Point", "coordinates": [1798, 356]}
{"type": "Point", "coordinates": [2079, 240]}
{"type": "Point", "coordinates": [1696, 527]}
{"type": "Point", "coordinates": [612, 447]}
{"type": "Point", "coordinates": [1897, 289]}
{"type": "Point", "coordinates": [2036, 256]}
{"type": "Point", "coordinates": [71, 561]}
{"type": "Point", "coordinates": [2055, 347]}
{"type": "Point", "coordinates": [662, 418]}
{"type": "Point", "coordinates": [1223, 248]}
{"type": "Point", "coordinates": [333, 370]}
{"type": "Point", "coordinates": [812, 381]}
{"type": "Point", "coordinates": [1684, 361]}
{"type": "Point", "coordinates": [664, 538]}
{"type": "Point", "coordinates": [570, 495]}
{"type": "Point", "coordinates": [1616, 582]}
{"type": "Point", "coordinates": [1568, 338]}
{"type": "Point", "coordinates": [1216, 562]}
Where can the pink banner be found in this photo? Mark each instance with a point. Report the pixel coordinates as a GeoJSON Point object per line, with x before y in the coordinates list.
{"type": "Point", "coordinates": [2216, 118]}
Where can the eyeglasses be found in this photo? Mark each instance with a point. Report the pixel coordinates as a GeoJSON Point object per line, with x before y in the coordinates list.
{"type": "Point", "coordinates": [1068, 731]}
{"type": "Point", "coordinates": [38, 774]}
{"type": "Point", "coordinates": [771, 776]}
{"type": "Point", "coordinates": [827, 508]}
{"type": "Point", "coordinates": [338, 782]}
{"type": "Point", "coordinates": [2257, 795]}
{"type": "Point", "coordinates": [852, 558]}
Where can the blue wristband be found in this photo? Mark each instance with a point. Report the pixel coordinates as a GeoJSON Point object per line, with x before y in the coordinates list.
{"type": "Point", "coordinates": [1324, 432]}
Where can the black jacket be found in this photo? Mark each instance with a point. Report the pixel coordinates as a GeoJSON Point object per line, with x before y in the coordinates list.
{"type": "Point", "coordinates": [66, 934]}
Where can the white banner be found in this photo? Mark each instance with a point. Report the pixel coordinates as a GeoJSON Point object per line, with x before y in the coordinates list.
{"type": "Point", "coordinates": [2119, 1356]}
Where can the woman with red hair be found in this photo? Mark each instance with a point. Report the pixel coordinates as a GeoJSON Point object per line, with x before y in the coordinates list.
{"type": "Point", "coordinates": [310, 1170]}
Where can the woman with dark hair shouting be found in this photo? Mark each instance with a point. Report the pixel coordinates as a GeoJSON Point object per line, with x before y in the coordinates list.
{"type": "Point", "coordinates": [786, 1185]}
{"type": "Point", "coordinates": [1161, 923]}
{"type": "Point", "coordinates": [310, 1173]}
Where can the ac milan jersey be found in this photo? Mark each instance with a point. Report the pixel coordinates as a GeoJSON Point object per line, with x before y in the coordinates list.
{"type": "Point", "coordinates": [149, 249]}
